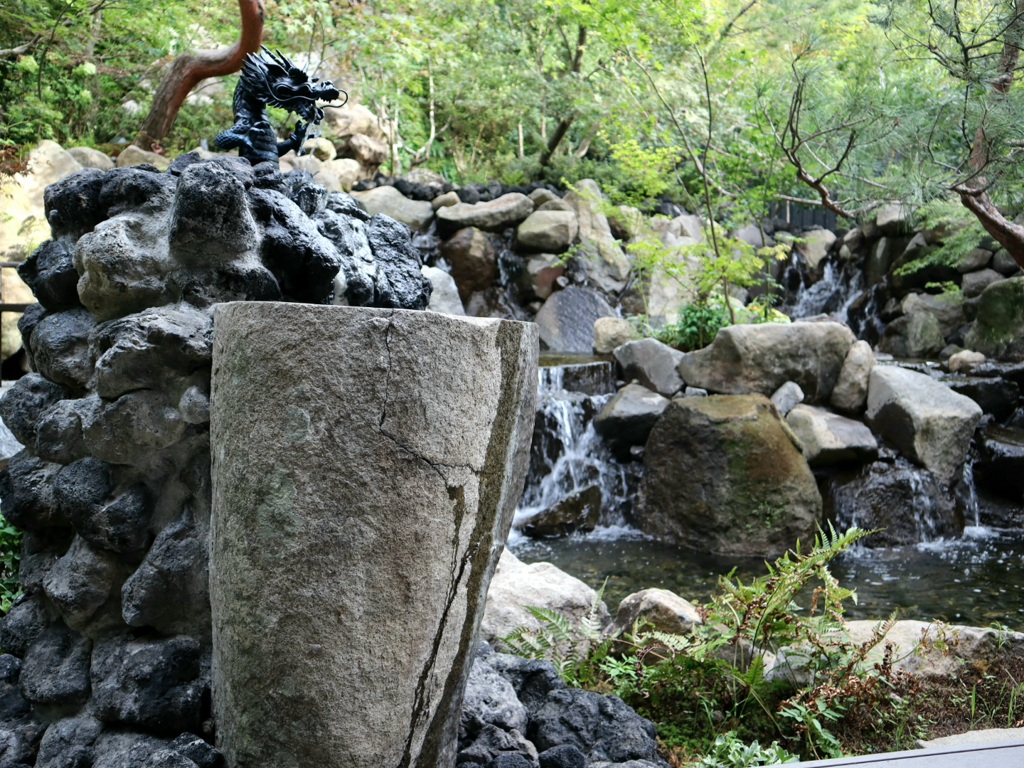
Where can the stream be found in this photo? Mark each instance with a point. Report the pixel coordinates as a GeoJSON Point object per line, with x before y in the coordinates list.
{"type": "Point", "coordinates": [973, 580]}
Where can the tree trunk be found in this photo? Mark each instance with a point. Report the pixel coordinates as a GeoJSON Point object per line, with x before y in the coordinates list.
{"type": "Point", "coordinates": [566, 122]}
{"type": "Point", "coordinates": [974, 192]}
{"type": "Point", "coordinates": [191, 68]}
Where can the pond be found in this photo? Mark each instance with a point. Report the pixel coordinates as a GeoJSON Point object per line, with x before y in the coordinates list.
{"type": "Point", "coordinates": [976, 580]}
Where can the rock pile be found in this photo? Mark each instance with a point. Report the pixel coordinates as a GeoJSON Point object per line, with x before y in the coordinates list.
{"type": "Point", "coordinates": [108, 652]}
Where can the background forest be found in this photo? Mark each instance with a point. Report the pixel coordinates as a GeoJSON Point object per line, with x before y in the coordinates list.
{"type": "Point", "coordinates": [717, 104]}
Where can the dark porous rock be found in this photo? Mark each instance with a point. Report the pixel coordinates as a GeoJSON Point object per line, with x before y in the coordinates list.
{"type": "Point", "coordinates": [242, 280]}
{"type": "Point", "coordinates": [531, 679]}
{"type": "Point", "coordinates": [153, 684]}
{"type": "Point", "coordinates": [81, 487]}
{"type": "Point", "coordinates": [124, 749]}
{"type": "Point", "coordinates": [50, 273]}
{"type": "Point", "coordinates": [123, 266]}
{"type": "Point", "coordinates": [85, 586]}
{"type": "Point", "coordinates": [565, 756]}
{"type": "Point", "coordinates": [143, 350]}
{"type": "Point", "coordinates": [60, 347]}
{"type": "Point", "coordinates": [356, 280]}
{"type": "Point", "coordinates": [119, 524]}
{"type": "Point", "coordinates": [567, 319]}
{"type": "Point", "coordinates": [602, 727]}
{"type": "Point", "coordinates": [12, 703]}
{"type": "Point", "coordinates": [19, 740]}
{"type": "Point", "coordinates": [200, 752]}
{"type": "Point", "coordinates": [56, 668]}
{"type": "Point", "coordinates": [995, 396]}
{"type": "Point", "coordinates": [168, 758]}
{"type": "Point", "coordinates": [68, 743]}
{"type": "Point", "coordinates": [26, 493]}
{"type": "Point", "coordinates": [302, 260]}
{"type": "Point", "coordinates": [170, 591]}
{"type": "Point", "coordinates": [628, 418]}
{"type": "Point", "coordinates": [133, 426]}
{"type": "Point", "coordinates": [60, 437]}
{"type": "Point", "coordinates": [24, 403]}
{"type": "Point", "coordinates": [485, 743]}
{"type": "Point", "coordinates": [346, 205]}
{"type": "Point", "coordinates": [511, 760]}
{"type": "Point", "coordinates": [73, 206]}
{"type": "Point", "coordinates": [401, 284]}
{"type": "Point", "coordinates": [305, 193]}
{"type": "Point", "coordinates": [136, 189]}
{"type": "Point", "coordinates": [580, 511]}
{"type": "Point", "coordinates": [211, 222]}
{"type": "Point", "coordinates": [194, 405]}
{"type": "Point", "coordinates": [27, 324]}
{"type": "Point", "coordinates": [1000, 464]}
{"type": "Point", "coordinates": [24, 623]}
{"type": "Point", "coordinates": [904, 503]}
{"type": "Point", "coordinates": [491, 698]}
{"type": "Point", "coordinates": [39, 553]}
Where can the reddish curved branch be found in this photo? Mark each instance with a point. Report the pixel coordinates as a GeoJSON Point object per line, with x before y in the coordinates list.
{"type": "Point", "coordinates": [190, 68]}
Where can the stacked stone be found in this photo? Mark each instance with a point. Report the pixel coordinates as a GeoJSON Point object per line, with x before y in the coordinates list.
{"type": "Point", "coordinates": [108, 653]}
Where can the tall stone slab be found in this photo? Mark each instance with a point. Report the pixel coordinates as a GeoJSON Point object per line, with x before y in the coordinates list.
{"type": "Point", "coordinates": [366, 466]}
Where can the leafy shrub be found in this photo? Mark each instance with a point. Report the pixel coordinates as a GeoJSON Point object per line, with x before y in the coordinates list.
{"type": "Point", "coordinates": [10, 559]}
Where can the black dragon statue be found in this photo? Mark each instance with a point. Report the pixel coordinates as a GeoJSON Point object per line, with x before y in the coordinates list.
{"type": "Point", "coordinates": [270, 79]}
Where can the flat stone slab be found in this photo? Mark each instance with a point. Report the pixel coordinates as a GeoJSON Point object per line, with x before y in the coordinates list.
{"type": "Point", "coordinates": [1002, 755]}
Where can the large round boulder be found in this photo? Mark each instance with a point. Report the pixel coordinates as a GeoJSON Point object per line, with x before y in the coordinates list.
{"type": "Point", "coordinates": [998, 330]}
{"type": "Point", "coordinates": [725, 475]}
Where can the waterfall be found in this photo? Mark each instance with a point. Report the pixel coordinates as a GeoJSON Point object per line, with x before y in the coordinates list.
{"type": "Point", "coordinates": [568, 457]}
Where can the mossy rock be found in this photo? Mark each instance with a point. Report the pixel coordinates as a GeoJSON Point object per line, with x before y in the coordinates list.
{"type": "Point", "coordinates": [998, 330]}
{"type": "Point", "coordinates": [724, 474]}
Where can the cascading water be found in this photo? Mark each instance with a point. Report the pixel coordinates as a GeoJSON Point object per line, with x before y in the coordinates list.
{"type": "Point", "coordinates": [568, 458]}
{"type": "Point", "coordinates": [835, 292]}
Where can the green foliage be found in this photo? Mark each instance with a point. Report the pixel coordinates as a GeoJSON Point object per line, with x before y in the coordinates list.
{"type": "Point", "coordinates": [697, 326]}
{"type": "Point", "coordinates": [10, 559]}
{"type": "Point", "coordinates": [576, 649]}
{"type": "Point", "coordinates": [729, 751]}
{"type": "Point", "coordinates": [956, 229]}
{"type": "Point", "coordinates": [710, 692]}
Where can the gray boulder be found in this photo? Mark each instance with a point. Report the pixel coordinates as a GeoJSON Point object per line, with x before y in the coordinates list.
{"type": "Point", "coordinates": [787, 397]}
{"type": "Point", "coordinates": [764, 497]}
{"type": "Point", "coordinates": [904, 504]}
{"type": "Point", "coordinates": [445, 294]}
{"type": "Point", "coordinates": [610, 333]}
{"type": "Point", "coordinates": [548, 231]}
{"type": "Point", "coordinates": [998, 329]}
{"type": "Point", "coordinates": [851, 390]}
{"type": "Point", "coordinates": [415, 214]}
{"type": "Point", "coordinates": [69, 742]}
{"type": "Point", "coordinates": [747, 359]}
{"type": "Point", "coordinates": [493, 215]}
{"type": "Point", "coordinates": [473, 260]}
{"type": "Point", "coordinates": [599, 255]}
{"type": "Point", "coordinates": [946, 308]}
{"type": "Point", "coordinates": [975, 283]}
{"type": "Point", "coordinates": [659, 610]}
{"type": "Point", "coordinates": [628, 418]}
{"type": "Point", "coordinates": [653, 364]}
{"type": "Point", "coordinates": [923, 418]}
{"type": "Point", "coordinates": [828, 438]}
{"type": "Point", "coordinates": [567, 319]}
{"type": "Point", "coordinates": [516, 586]}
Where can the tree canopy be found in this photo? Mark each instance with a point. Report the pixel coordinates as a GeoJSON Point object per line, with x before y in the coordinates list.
{"type": "Point", "coordinates": [844, 103]}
